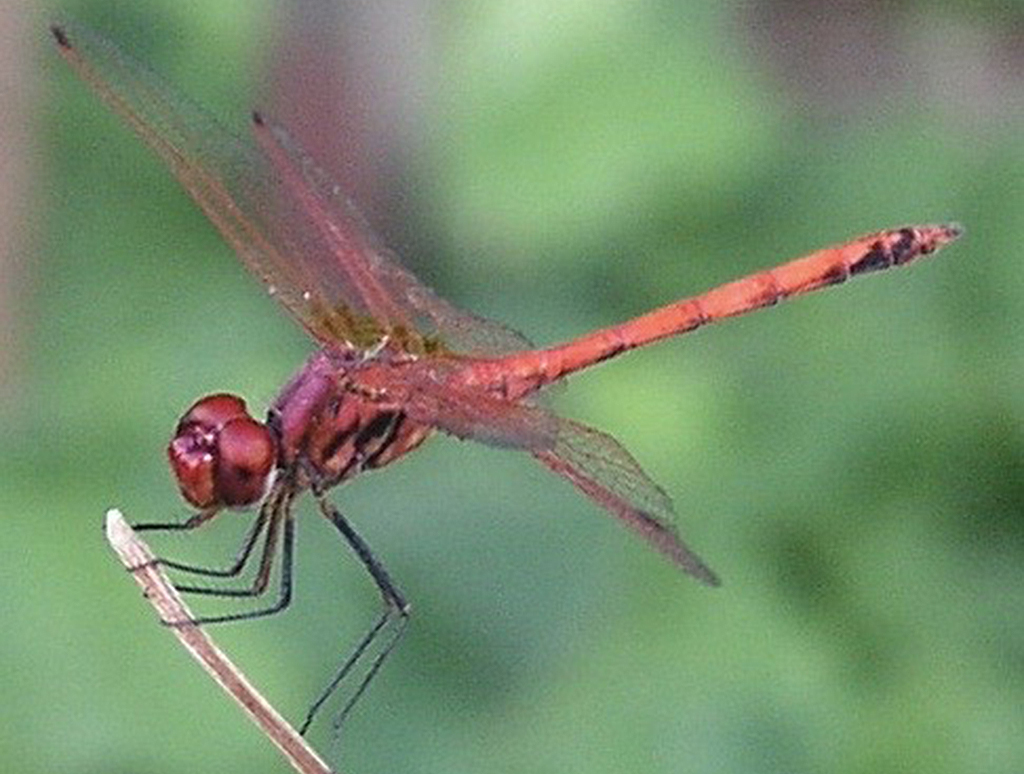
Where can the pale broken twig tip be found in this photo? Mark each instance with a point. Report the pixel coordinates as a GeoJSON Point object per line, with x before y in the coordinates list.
{"type": "Point", "coordinates": [136, 556]}
{"type": "Point", "coordinates": [119, 534]}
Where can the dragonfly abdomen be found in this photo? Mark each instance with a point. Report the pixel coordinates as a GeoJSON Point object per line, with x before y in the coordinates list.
{"type": "Point", "coordinates": [525, 372]}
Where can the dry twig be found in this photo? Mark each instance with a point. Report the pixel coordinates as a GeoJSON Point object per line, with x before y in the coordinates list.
{"type": "Point", "coordinates": [136, 556]}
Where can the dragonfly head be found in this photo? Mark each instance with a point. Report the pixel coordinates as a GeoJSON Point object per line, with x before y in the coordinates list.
{"type": "Point", "coordinates": [220, 455]}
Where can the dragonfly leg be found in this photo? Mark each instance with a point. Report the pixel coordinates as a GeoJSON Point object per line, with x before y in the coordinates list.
{"type": "Point", "coordinates": [274, 518]}
{"type": "Point", "coordinates": [284, 596]}
{"type": "Point", "coordinates": [396, 611]}
{"type": "Point", "coordinates": [241, 556]}
{"type": "Point", "coordinates": [196, 520]}
{"type": "Point", "coordinates": [259, 584]}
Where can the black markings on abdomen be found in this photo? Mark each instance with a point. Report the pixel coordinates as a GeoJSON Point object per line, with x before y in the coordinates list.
{"type": "Point", "coordinates": [876, 258]}
{"type": "Point", "coordinates": [882, 255]}
{"type": "Point", "coordinates": [906, 248]}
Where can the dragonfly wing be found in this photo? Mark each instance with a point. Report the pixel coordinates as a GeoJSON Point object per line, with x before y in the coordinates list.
{"type": "Point", "coordinates": [339, 248]}
{"type": "Point", "coordinates": [602, 469]}
{"type": "Point", "coordinates": [594, 462]}
{"type": "Point", "coordinates": [473, 414]}
{"type": "Point", "coordinates": [289, 225]}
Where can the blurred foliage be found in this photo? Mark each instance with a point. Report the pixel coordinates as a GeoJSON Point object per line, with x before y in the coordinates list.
{"type": "Point", "coordinates": [851, 463]}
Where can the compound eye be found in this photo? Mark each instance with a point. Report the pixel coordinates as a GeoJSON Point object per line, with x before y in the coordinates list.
{"type": "Point", "coordinates": [220, 455]}
{"type": "Point", "coordinates": [246, 456]}
{"type": "Point", "coordinates": [214, 411]}
{"type": "Point", "coordinates": [191, 456]}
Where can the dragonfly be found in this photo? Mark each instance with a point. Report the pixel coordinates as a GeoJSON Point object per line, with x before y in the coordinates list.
{"type": "Point", "coordinates": [395, 362]}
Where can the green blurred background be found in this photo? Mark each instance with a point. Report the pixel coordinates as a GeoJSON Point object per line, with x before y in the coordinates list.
{"type": "Point", "coordinates": [850, 463]}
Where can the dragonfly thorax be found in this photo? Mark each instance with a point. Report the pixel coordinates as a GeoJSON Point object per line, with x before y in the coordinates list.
{"type": "Point", "coordinates": [341, 415]}
{"type": "Point", "coordinates": [220, 455]}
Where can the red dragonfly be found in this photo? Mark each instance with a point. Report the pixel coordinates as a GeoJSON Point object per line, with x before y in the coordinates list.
{"type": "Point", "coordinates": [396, 362]}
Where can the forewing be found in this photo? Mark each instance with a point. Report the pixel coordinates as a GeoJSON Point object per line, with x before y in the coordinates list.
{"type": "Point", "coordinates": [290, 226]}
{"type": "Point", "coordinates": [336, 228]}
{"type": "Point", "coordinates": [601, 468]}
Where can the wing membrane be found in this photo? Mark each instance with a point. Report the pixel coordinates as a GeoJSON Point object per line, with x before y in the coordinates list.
{"type": "Point", "coordinates": [593, 461]}
{"type": "Point", "coordinates": [289, 224]}
{"type": "Point", "coordinates": [601, 468]}
{"type": "Point", "coordinates": [335, 227]}
{"type": "Point", "coordinates": [430, 395]}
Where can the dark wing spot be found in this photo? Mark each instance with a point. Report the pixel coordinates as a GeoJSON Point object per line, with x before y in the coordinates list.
{"type": "Point", "coordinates": [60, 36]}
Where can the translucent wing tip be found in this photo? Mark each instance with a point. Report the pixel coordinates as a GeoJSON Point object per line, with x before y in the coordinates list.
{"type": "Point", "coordinates": [668, 542]}
{"type": "Point", "coordinates": [693, 565]}
{"type": "Point", "coordinates": [602, 469]}
{"type": "Point", "coordinates": [60, 35]}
